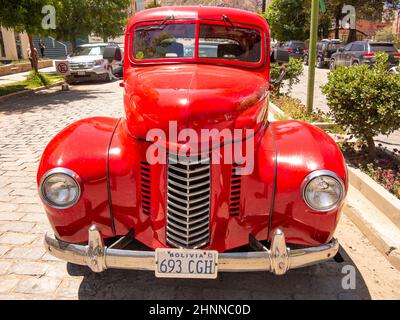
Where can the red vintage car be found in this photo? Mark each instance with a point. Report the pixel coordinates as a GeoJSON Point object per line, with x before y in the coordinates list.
{"type": "Point", "coordinates": [195, 175]}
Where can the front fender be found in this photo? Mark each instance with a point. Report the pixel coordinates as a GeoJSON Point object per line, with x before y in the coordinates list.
{"type": "Point", "coordinates": [300, 149]}
{"type": "Point", "coordinates": [83, 148]}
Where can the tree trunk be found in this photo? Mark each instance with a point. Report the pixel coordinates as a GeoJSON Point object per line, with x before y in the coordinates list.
{"type": "Point", "coordinates": [34, 60]}
{"type": "Point", "coordinates": [337, 21]}
{"type": "Point", "coordinates": [371, 148]}
{"type": "Point", "coordinates": [73, 42]}
{"type": "Point", "coordinates": [352, 36]}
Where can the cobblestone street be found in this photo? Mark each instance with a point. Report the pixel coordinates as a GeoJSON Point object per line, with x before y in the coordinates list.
{"type": "Point", "coordinates": [27, 272]}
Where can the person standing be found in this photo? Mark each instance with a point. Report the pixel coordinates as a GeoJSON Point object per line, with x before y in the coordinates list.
{"type": "Point", "coordinates": [42, 47]}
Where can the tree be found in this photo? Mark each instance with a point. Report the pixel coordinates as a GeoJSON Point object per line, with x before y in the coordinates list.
{"type": "Point", "coordinates": [386, 35]}
{"type": "Point", "coordinates": [23, 16]}
{"type": "Point", "coordinates": [83, 17]}
{"type": "Point", "coordinates": [365, 100]}
{"type": "Point", "coordinates": [288, 20]}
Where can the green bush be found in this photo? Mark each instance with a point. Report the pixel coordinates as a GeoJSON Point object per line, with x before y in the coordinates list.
{"type": "Point", "coordinates": [294, 69]}
{"type": "Point", "coordinates": [365, 100]}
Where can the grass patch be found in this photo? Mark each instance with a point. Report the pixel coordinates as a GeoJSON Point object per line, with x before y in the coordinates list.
{"type": "Point", "coordinates": [34, 80]}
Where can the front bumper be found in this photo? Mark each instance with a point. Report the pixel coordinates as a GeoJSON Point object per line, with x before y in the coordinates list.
{"type": "Point", "coordinates": [278, 260]}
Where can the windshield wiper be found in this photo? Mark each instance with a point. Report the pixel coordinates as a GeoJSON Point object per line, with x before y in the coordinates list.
{"type": "Point", "coordinates": [227, 19]}
{"type": "Point", "coordinates": [162, 25]}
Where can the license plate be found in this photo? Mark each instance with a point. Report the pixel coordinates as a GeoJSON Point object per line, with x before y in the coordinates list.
{"type": "Point", "coordinates": [181, 263]}
{"type": "Point", "coordinates": [81, 73]}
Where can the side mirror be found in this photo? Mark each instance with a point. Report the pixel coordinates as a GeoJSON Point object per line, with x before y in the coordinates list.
{"type": "Point", "coordinates": [110, 53]}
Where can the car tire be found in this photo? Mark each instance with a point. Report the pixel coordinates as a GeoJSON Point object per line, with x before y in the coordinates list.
{"type": "Point", "coordinates": [69, 80]}
{"type": "Point", "coordinates": [320, 62]}
{"type": "Point", "coordinates": [355, 64]}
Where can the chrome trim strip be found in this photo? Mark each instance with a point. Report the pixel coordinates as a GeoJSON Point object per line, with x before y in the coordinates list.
{"type": "Point", "coordinates": [278, 260]}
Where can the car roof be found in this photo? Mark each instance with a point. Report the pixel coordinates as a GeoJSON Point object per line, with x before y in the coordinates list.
{"type": "Point", "coordinates": [198, 13]}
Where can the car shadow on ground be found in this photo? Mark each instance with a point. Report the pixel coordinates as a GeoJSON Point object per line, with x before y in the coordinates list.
{"type": "Point", "coordinates": [322, 281]}
{"type": "Point", "coordinates": [48, 100]}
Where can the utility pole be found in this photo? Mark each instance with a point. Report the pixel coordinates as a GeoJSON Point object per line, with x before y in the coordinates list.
{"type": "Point", "coordinates": [312, 54]}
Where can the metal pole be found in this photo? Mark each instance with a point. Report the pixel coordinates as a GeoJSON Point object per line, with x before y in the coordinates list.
{"type": "Point", "coordinates": [312, 54]}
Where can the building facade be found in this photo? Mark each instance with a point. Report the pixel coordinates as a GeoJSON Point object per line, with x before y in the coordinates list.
{"type": "Point", "coordinates": [13, 45]}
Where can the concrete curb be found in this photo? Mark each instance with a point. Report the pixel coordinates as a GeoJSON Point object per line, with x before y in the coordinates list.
{"type": "Point", "coordinates": [382, 199]}
{"type": "Point", "coordinates": [22, 93]}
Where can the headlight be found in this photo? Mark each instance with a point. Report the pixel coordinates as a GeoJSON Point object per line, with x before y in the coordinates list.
{"type": "Point", "coordinates": [323, 191]}
{"type": "Point", "coordinates": [60, 188]}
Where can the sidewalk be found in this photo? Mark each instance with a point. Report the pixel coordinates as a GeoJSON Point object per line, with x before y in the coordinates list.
{"type": "Point", "coordinates": [22, 76]}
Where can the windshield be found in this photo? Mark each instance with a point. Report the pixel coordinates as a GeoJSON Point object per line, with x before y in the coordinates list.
{"type": "Point", "coordinates": [171, 41]}
{"type": "Point", "coordinates": [297, 44]}
{"type": "Point", "coordinates": [88, 51]}
{"type": "Point", "coordinates": [383, 47]}
{"type": "Point", "coordinates": [229, 43]}
{"type": "Point", "coordinates": [177, 40]}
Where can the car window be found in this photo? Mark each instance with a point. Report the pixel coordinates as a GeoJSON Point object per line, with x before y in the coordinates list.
{"type": "Point", "coordinates": [170, 41]}
{"type": "Point", "coordinates": [348, 47]}
{"type": "Point", "coordinates": [334, 46]}
{"type": "Point", "coordinates": [298, 44]}
{"type": "Point", "coordinates": [357, 47]}
{"type": "Point", "coordinates": [383, 47]}
{"type": "Point", "coordinates": [229, 43]}
{"type": "Point", "coordinates": [88, 51]}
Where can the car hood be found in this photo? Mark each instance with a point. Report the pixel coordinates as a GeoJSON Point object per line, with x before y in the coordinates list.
{"type": "Point", "coordinates": [84, 59]}
{"type": "Point", "coordinates": [194, 96]}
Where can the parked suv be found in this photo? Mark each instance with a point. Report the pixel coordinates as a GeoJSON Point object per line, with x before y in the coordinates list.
{"type": "Point", "coordinates": [87, 63]}
{"type": "Point", "coordinates": [294, 48]}
{"type": "Point", "coordinates": [363, 52]}
{"type": "Point", "coordinates": [325, 49]}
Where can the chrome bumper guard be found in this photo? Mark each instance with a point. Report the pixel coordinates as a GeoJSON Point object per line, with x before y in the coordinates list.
{"type": "Point", "coordinates": [278, 260]}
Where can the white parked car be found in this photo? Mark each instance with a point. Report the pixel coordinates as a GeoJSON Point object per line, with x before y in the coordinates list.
{"type": "Point", "coordinates": [87, 63]}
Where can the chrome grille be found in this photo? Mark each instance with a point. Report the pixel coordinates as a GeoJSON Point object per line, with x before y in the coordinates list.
{"type": "Point", "coordinates": [188, 202]}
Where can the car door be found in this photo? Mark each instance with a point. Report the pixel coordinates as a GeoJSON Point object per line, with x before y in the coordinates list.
{"type": "Point", "coordinates": [341, 57]}
{"type": "Point", "coordinates": [354, 54]}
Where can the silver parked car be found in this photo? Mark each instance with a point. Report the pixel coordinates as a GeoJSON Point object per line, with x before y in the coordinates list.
{"type": "Point", "coordinates": [87, 63]}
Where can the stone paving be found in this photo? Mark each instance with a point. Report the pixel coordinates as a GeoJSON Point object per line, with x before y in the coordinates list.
{"type": "Point", "coordinates": [26, 272]}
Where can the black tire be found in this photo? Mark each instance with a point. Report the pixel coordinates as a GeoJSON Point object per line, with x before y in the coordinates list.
{"type": "Point", "coordinates": [320, 62]}
{"type": "Point", "coordinates": [69, 80]}
{"type": "Point", "coordinates": [355, 64]}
